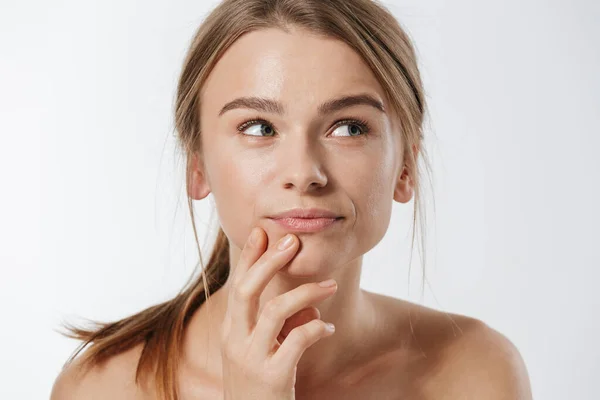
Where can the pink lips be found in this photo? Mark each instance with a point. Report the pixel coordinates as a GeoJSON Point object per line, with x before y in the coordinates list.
{"type": "Point", "coordinates": [306, 213]}
{"type": "Point", "coordinates": [306, 224]}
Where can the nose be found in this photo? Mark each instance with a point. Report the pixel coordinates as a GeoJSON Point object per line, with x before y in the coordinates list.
{"type": "Point", "coordinates": [300, 163]}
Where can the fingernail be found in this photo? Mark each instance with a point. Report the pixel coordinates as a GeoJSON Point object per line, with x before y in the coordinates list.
{"type": "Point", "coordinates": [285, 242]}
{"type": "Point", "coordinates": [328, 283]}
{"type": "Point", "coordinates": [330, 327]}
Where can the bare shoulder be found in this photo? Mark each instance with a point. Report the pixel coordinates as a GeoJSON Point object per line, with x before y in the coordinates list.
{"type": "Point", "coordinates": [469, 359]}
{"type": "Point", "coordinates": [449, 356]}
{"type": "Point", "coordinates": [115, 379]}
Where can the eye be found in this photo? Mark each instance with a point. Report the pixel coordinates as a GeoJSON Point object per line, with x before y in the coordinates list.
{"type": "Point", "coordinates": [262, 128]}
{"type": "Point", "coordinates": [355, 127]}
{"type": "Point", "coordinates": [268, 130]}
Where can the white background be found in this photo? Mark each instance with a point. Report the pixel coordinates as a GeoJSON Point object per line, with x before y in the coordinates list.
{"type": "Point", "coordinates": [93, 222]}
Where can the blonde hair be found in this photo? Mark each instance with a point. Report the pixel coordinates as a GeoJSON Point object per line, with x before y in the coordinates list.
{"type": "Point", "coordinates": [365, 25]}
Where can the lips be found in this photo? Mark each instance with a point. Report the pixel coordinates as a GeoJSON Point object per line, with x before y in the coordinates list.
{"type": "Point", "coordinates": [308, 213]}
{"type": "Point", "coordinates": [306, 219]}
{"type": "Point", "coordinates": [306, 224]}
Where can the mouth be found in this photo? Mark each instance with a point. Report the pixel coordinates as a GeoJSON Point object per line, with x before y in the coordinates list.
{"type": "Point", "coordinates": [294, 224]}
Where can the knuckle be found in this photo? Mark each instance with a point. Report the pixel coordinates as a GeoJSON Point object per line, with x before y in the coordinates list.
{"type": "Point", "coordinates": [234, 354]}
{"type": "Point", "coordinates": [241, 292]}
{"type": "Point", "coordinates": [271, 309]}
{"type": "Point", "coordinates": [301, 334]}
{"type": "Point", "coordinates": [274, 377]}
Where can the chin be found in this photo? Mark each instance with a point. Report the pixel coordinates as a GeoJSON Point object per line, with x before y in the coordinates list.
{"type": "Point", "coordinates": [310, 264]}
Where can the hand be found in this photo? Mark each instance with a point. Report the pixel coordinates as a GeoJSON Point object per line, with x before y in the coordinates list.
{"type": "Point", "coordinates": [255, 364]}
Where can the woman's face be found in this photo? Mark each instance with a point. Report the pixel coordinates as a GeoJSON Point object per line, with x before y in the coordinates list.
{"type": "Point", "coordinates": [298, 156]}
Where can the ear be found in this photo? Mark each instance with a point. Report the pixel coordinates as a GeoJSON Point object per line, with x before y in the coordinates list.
{"type": "Point", "coordinates": [198, 186]}
{"type": "Point", "coordinates": [403, 192]}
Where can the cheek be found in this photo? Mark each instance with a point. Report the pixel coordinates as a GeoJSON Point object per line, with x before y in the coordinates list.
{"type": "Point", "coordinates": [237, 178]}
{"type": "Point", "coordinates": [379, 194]}
{"type": "Point", "coordinates": [234, 188]}
{"type": "Point", "coordinates": [373, 198]}
{"type": "Point", "coordinates": [370, 183]}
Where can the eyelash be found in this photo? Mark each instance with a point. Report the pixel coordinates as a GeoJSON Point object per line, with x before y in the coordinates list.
{"type": "Point", "coordinates": [362, 124]}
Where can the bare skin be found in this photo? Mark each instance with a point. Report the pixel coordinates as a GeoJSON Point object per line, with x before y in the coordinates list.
{"type": "Point", "coordinates": [383, 347]}
{"type": "Point", "coordinates": [438, 361]}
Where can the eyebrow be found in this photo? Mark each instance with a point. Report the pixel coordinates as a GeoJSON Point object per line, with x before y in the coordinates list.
{"type": "Point", "coordinates": [272, 106]}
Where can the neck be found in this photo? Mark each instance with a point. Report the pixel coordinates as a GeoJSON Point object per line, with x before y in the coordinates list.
{"type": "Point", "coordinates": [350, 309]}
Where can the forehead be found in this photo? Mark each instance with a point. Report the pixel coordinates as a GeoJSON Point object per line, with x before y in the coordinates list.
{"type": "Point", "coordinates": [297, 68]}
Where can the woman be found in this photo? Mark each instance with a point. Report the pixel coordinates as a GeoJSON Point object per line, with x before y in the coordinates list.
{"type": "Point", "coordinates": [336, 86]}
